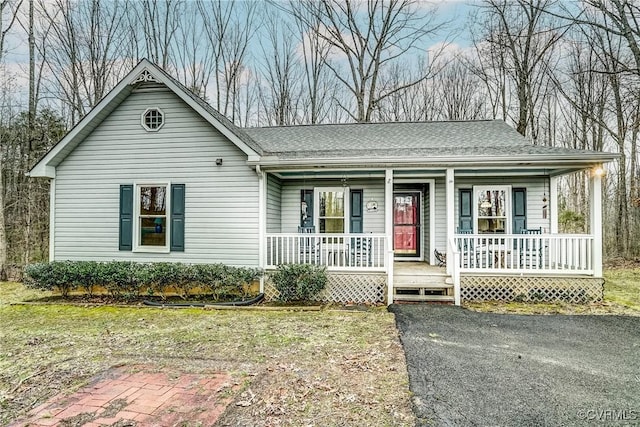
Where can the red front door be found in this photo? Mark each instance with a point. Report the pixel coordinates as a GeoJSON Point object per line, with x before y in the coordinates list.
{"type": "Point", "coordinates": [406, 224]}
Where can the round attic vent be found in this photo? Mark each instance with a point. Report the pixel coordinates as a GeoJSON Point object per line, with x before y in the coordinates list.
{"type": "Point", "coordinates": [152, 119]}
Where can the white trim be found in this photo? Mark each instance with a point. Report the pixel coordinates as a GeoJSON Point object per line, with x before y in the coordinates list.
{"type": "Point", "coordinates": [52, 219]}
{"type": "Point", "coordinates": [595, 192]}
{"type": "Point", "coordinates": [137, 247]}
{"type": "Point", "coordinates": [316, 206]}
{"type": "Point", "coordinates": [262, 221]}
{"type": "Point", "coordinates": [432, 220]}
{"type": "Point", "coordinates": [507, 205]}
{"type": "Point", "coordinates": [450, 197]}
{"type": "Point", "coordinates": [145, 112]}
{"type": "Point", "coordinates": [533, 161]}
{"type": "Point", "coordinates": [553, 204]}
{"type": "Point", "coordinates": [388, 229]}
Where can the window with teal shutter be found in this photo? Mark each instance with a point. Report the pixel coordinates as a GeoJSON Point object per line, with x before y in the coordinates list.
{"type": "Point", "coordinates": [465, 211]}
{"type": "Point", "coordinates": [519, 210]}
{"type": "Point", "coordinates": [306, 208]}
{"type": "Point", "coordinates": [177, 218]}
{"type": "Point", "coordinates": [355, 223]}
{"type": "Point", "coordinates": [126, 218]}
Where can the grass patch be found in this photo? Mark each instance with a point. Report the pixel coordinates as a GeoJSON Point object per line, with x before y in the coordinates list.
{"type": "Point", "coordinates": [323, 368]}
{"type": "Point", "coordinates": [621, 296]}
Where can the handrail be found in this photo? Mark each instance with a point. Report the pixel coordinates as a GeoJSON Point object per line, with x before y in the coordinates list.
{"type": "Point", "coordinates": [526, 253]}
{"type": "Point", "coordinates": [351, 251]}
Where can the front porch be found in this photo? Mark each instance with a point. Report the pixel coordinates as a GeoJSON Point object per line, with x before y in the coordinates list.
{"type": "Point", "coordinates": [362, 269]}
{"type": "Point", "coordinates": [376, 233]}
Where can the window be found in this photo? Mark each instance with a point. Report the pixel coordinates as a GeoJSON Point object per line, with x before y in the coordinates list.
{"type": "Point", "coordinates": [331, 209]}
{"type": "Point", "coordinates": [145, 224]}
{"type": "Point", "coordinates": [492, 209]}
{"type": "Point", "coordinates": [152, 119]}
{"type": "Point", "coordinates": [152, 219]}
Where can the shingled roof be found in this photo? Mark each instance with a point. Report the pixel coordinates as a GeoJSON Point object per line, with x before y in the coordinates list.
{"type": "Point", "coordinates": [401, 140]}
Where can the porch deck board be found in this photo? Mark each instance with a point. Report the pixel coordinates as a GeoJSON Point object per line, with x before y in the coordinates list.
{"type": "Point", "coordinates": [415, 268]}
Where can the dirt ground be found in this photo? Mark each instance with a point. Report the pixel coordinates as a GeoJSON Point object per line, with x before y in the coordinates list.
{"type": "Point", "coordinates": [315, 368]}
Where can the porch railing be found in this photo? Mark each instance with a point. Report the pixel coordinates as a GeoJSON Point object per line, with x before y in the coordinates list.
{"type": "Point", "coordinates": [361, 251]}
{"type": "Point", "coordinates": [525, 253]}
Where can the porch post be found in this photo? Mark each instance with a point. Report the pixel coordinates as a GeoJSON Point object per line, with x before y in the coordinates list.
{"type": "Point", "coordinates": [595, 191]}
{"type": "Point", "coordinates": [450, 212]}
{"type": "Point", "coordinates": [553, 204]}
{"type": "Point", "coordinates": [262, 221]}
{"type": "Point", "coordinates": [388, 229]}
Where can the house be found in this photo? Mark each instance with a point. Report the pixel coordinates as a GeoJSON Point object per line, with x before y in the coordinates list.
{"type": "Point", "coordinates": [153, 173]}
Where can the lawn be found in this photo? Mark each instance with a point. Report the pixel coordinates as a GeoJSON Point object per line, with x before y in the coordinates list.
{"type": "Point", "coordinates": [621, 296]}
{"type": "Point", "coordinates": [330, 367]}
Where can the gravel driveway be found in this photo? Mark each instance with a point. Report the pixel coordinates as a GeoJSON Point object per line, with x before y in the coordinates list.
{"type": "Point", "coordinates": [481, 369]}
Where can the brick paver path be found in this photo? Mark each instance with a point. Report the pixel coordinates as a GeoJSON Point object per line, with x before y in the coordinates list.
{"type": "Point", "coordinates": [138, 399]}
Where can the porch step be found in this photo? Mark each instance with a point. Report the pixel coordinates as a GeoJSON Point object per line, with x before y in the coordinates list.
{"type": "Point", "coordinates": [422, 281]}
{"type": "Point", "coordinates": [421, 284]}
{"type": "Point", "coordinates": [423, 298]}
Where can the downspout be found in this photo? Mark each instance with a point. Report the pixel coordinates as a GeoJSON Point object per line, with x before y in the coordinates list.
{"type": "Point", "coordinates": [261, 221]}
{"type": "Point", "coordinates": [52, 219]}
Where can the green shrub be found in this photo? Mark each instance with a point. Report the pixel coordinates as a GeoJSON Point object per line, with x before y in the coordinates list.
{"type": "Point", "coordinates": [128, 279]}
{"type": "Point", "coordinates": [122, 278]}
{"type": "Point", "coordinates": [85, 275]}
{"type": "Point", "coordinates": [299, 282]}
{"type": "Point", "coordinates": [221, 280]}
{"type": "Point", "coordinates": [57, 275]}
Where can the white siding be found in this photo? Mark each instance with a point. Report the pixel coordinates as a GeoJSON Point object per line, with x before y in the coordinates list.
{"type": "Point", "coordinates": [221, 202]}
{"type": "Point", "coordinates": [372, 189]}
{"type": "Point", "coordinates": [426, 248]}
{"type": "Point", "coordinates": [441, 216]}
{"type": "Point", "coordinates": [274, 201]}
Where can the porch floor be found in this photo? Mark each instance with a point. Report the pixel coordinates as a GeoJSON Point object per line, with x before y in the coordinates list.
{"type": "Point", "coordinates": [417, 268]}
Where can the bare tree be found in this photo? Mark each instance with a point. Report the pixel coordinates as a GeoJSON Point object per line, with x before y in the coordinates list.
{"type": "Point", "coordinates": [459, 91]}
{"type": "Point", "coordinates": [281, 73]}
{"type": "Point", "coordinates": [193, 62]}
{"type": "Point", "coordinates": [319, 86]}
{"type": "Point", "coordinates": [521, 41]}
{"type": "Point", "coordinates": [367, 37]}
{"type": "Point", "coordinates": [83, 51]}
{"type": "Point", "coordinates": [8, 15]}
{"type": "Point", "coordinates": [229, 28]}
{"type": "Point", "coordinates": [160, 21]}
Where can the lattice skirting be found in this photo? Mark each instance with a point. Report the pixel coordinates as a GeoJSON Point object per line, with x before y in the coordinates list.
{"type": "Point", "coordinates": [356, 288]}
{"type": "Point", "coordinates": [575, 290]}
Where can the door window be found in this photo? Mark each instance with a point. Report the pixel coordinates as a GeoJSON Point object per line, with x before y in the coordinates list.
{"type": "Point", "coordinates": [406, 224]}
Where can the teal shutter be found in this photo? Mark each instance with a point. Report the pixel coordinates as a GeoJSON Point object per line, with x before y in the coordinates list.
{"type": "Point", "coordinates": [355, 222]}
{"type": "Point", "coordinates": [306, 217]}
{"type": "Point", "coordinates": [125, 240]}
{"type": "Point", "coordinates": [177, 217]}
{"type": "Point", "coordinates": [465, 211]}
{"type": "Point", "coordinates": [519, 209]}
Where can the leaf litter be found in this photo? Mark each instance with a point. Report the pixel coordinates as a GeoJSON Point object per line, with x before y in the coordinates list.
{"type": "Point", "coordinates": [293, 368]}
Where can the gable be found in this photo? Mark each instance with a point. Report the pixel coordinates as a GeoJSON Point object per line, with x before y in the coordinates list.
{"type": "Point", "coordinates": [144, 75]}
{"type": "Point", "coordinates": [120, 141]}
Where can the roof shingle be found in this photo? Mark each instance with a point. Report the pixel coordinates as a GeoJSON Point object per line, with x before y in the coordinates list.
{"type": "Point", "coordinates": [400, 139]}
